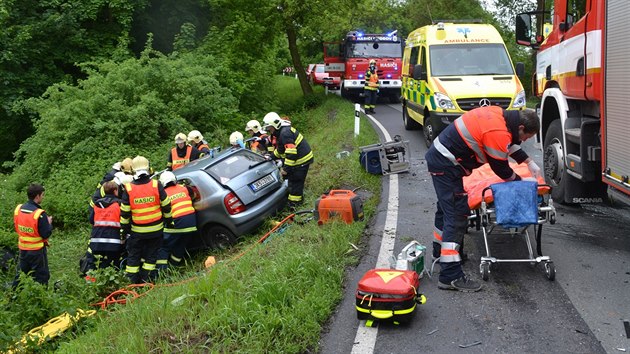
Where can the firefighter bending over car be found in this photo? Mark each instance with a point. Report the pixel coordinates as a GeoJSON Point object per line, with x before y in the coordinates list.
{"type": "Point", "coordinates": [144, 211]}
{"type": "Point", "coordinates": [293, 148]}
{"type": "Point", "coordinates": [261, 142]}
{"type": "Point", "coordinates": [370, 89]}
{"type": "Point", "coordinates": [195, 139]}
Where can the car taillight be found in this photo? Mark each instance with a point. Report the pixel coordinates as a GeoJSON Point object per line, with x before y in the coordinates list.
{"type": "Point", "coordinates": [233, 204]}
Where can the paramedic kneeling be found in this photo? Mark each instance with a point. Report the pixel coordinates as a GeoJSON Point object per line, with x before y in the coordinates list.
{"type": "Point", "coordinates": [482, 135]}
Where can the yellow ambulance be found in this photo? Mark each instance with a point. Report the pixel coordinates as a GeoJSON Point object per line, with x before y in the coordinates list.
{"type": "Point", "coordinates": [450, 68]}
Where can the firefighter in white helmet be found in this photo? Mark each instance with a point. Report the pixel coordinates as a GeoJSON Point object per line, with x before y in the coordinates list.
{"type": "Point", "coordinates": [144, 211]}
{"type": "Point", "coordinates": [293, 149]}
{"type": "Point", "coordinates": [370, 89]}
{"type": "Point", "coordinates": [261, 142]}
{"type": "Point", "coordinates": [184, 226]}
{"type": "Point", "coordinates": [236, 140]}
{"type": "Point", "coordinates": [195, 139]}
{"type": "Point", "coordinates": [181, 154]}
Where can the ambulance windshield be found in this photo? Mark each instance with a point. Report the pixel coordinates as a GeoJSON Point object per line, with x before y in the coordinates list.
{"type": "Point", "coordinates": [470, 59]}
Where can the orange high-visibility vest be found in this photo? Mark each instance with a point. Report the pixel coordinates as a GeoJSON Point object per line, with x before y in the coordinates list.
{"type": "Point", "coordinates": [203, 146]}
{"type": "Point", "coordinates": [181, 203]}
{"type": "Point", "coordinates": [474, 128]}
{"type": "Point", "coordinates": [144, 201]}
{"type": "Point", "coordinates": [107, 217]}
{"type": "Point", "coordinates": [26, 227]}
{"type": "Point", "coordinates": [179, 162]}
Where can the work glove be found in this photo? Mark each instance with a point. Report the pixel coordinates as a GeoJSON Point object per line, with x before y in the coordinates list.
{"type": "Point", "coordinates": [534, 169]}
{"type": "Point", "coordinates": [279, 163]}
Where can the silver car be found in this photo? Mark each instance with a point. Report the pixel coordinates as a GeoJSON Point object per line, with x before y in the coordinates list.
{"type": "Point", "coordinates": [234, 192]}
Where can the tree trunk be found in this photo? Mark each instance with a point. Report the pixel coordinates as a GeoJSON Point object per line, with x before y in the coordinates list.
{"type": "Point", "coordinates": [295, 58]}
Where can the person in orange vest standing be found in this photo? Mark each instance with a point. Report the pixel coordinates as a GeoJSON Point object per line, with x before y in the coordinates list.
{"type": "Point", "coordinates": [144, 211]}
{"type": "Point", "coordinates": [34, 228]}
{"type": "Point", "coordinates": [184, 226]}
{"type": "Point", "coordinates": [181, 154]}
{"type": "Point", "coordinates": [195, 139]}
{"type": "Point", "coordinates": [370, 89]}
{"type": "Point", "coordinates": [482, 135]}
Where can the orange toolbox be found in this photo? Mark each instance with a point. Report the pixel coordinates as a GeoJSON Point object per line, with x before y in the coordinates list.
{"type": "Point", "coordinates": [339, 203]}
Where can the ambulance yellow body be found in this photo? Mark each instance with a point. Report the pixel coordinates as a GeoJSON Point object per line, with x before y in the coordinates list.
{"type": "Point", "coordinates": [451, 68]}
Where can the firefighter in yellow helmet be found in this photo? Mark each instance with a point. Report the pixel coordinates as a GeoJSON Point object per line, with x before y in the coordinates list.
{"type": "Point", "coordinates": [294, 152]}
{"type": "Point", "coordinates": [144, 210]}
{"type": "Point", "coordinates": [370, 89]}
{"type": "Point", "coordinates": [195, 139]}
{"type": "Point", "coordinates": [181, 154]}
{"type": "Point", "coordinates": [123, 166]}
{"type": "Point", "coordinates": [236, 140]}
{"type": "Point", "coordinates": [260, 141]}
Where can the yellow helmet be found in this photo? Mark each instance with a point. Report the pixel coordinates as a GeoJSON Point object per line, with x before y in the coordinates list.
{"type": "Point", "coordinates": [140, 163]}
{"type": "Point", "coordinates": [126, 166]}
{"type": "Point", "coordinates": [195, 136]}
{"type": "Point", "coordinates": [180, 138]}
{"type": "Point", "coordinates": [372, 61]}
{"type": "Point", "coordinates": [235, 137]}
{"type": "Point", "coordinates": [253, 125]}
{"type": "Point", "coordinates": [272, 119]}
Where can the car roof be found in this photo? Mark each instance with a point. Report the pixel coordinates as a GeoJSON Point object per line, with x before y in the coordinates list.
{"type": "Point", "coordinates": [207, 161]}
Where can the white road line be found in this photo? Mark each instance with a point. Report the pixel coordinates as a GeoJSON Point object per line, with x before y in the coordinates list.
{"type": "Point", "coordinates": [365, 339]}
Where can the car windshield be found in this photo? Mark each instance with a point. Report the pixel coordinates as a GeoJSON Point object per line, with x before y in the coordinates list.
{"type": "Point", "coordinates": [374, 49]}
{"type": "Point", "coordinates": [320, 69]}
{"type": "Point", "coordinates": [470, 59]}
{"type": "Point", "coordinates": [234, 165]}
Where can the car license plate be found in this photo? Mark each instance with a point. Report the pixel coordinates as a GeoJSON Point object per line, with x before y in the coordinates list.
{"type": "Point", "coordinates": [261, 183]}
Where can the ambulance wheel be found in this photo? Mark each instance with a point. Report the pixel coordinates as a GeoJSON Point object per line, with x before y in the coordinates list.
{"type": "Point", "coordinates": [428, 128]}
{"type": "Point", "coordinates": [484, 269]}
{"type": "Point", "coordinates": [409, 123]}
{"type": "Point", "coordinates": [550, 270]}
{"type": "Point", "coordinates": [218, 237]}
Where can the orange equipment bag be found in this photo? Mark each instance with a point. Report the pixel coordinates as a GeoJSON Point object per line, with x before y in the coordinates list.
{"type": "Point", "coordinates": [388, 294]}
{"type": "Point", "coordinates": [340, 203]}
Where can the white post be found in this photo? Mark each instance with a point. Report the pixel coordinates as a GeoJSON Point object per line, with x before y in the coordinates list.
{"type": "Point", "coordinates": [357, 121]}
{"type": "Point", "coordinates": [326, 89]}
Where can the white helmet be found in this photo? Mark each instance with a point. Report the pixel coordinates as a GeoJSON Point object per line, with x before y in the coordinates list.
{"type": "Point", "coordinates": [116, 166]}
{"type": "Point", "coordinates": [235, 137]}
{"type": "Point", "coordinates": [195, 136]}
{"type": "Point", "coordinates": [253, 125]}
{"type": "Point", "coordinates": [167, 177]}
{"type": "Point", "coordinates": [140, 165]}
{"type": "Point", "coordinates": [180, 138]}
{"type": "Point", "coordinates": [272, 119]}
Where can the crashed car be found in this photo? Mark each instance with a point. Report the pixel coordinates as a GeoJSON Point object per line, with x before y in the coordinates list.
{"type": "Point", "coordinates": [234, 192]}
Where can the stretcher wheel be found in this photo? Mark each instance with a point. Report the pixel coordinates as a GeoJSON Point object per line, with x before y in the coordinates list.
{"type": "Point", "coordinates": [550, 270]}
{"type": "Point", "coordinates": [484, 269]}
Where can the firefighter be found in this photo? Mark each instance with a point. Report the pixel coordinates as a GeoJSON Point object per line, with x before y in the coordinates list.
{"type": "Point", "coordinates": [34, 228]}
{"type": "Point", "coordinates": [195, 139]}
{"type": "Point", "coordinates": [370, 90]}
{"type": "Point", "coordinates": [262, 142]}
{"type": "Point", "coordinates": [482, 135]}
{"type": "Point", "coordinates": [181, 154]}
{"type": "Point", "coordinates": [236, 140]}
{"type": "Point", "coordinates": [184, 226]}
{"type": "Point", "coordinates": [106, 244]}
{"type": "Point", "coordinates": [123, 167]}
{"type": "Point", "coordinates": [293, 149]}
{"type": "Point", "coordinates": [144, 210]}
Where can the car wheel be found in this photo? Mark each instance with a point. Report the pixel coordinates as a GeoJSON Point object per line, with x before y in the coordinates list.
{"type": "Point", "coordinates": [553, 158]}
{"type": "Point", "coordinates": [409, 123]}
{"type": "Point", "coordinates": [218, 237]}
{"type": "Point", "coordinates": [428, 130]}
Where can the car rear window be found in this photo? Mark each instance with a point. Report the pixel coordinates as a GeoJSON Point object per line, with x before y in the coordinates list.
{"type": "Point", "coordinates": [233, 165]}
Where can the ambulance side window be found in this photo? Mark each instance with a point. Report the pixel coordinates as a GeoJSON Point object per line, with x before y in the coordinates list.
{"type": "Point", "coordinates": [413, 59]}
{"type": "Point", "coordinates": [423, 61]}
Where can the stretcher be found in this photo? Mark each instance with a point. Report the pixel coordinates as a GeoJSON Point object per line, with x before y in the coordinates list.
{"type": "Point", "coordinates": [512, 209]}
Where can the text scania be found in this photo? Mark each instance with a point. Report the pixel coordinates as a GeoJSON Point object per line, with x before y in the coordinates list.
{"type": "Point", "coordinates": [479, 40]}
{"type": "Point", "coordinates": [144, 200]}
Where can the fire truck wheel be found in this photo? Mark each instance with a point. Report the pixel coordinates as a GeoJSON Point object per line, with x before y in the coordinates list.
{"type": "Point", "coordinates": [553, 161]}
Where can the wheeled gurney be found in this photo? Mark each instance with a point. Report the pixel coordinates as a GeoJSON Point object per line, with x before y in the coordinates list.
{"type": "Point", "coordinates": [511, 208]}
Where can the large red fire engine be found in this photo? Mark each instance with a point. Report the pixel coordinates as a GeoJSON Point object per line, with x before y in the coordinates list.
{"type": "Point", "coordinates": [583, 79]}
{"type": "Point", "coordinates": [350, 58]}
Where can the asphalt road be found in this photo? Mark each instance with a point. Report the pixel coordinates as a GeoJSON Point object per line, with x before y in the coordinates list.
{"type": "Point", "coordinates": [518, 310]}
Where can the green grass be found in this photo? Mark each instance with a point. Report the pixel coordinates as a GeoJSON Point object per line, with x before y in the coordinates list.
{"type": "Point", "coordinates": [275, 298]}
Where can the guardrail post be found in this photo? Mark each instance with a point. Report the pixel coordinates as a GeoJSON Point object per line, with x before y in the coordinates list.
{"type": "Point", "coordinates": [357, 121]}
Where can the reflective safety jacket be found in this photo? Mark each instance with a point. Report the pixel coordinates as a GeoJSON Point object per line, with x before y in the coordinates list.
{"type": "Point", "coordinates": [371, 80]}
{"type": "Point", "coordinates": [292, 147]}
{"type": "Point", "coordinates": [32, 226]}
{"type": "Point", "coordinates": [203, 148]}
{"type": "Point", "coordinates": [261, 144]}
{"type": "Point", "coordinates": [184, 218]}
{"type": "Point", "coordinates": [483, 135]}
{"type": "Point", "coordinates": [105, 218]}
{"type": "Point", "coordinates": [144, 207]}
{"type": "Point", "coordinates": [176, 161]}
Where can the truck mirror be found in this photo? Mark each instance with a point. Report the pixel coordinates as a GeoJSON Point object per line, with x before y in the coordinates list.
{"type": "Point", "coordinates": [419, 73]}
{"type": "Point", "coordinates": [520, 69]}
{"type": "Point", "coordinates": [524, 29]}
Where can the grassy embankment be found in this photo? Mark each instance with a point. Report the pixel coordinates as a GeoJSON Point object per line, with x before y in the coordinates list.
{"type": "Point", "coordinates": [277, 296]}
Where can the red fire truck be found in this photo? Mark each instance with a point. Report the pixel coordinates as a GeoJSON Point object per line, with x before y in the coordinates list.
{"type": "Point", "coordinates": [583, 79]}
{"type": "Point", "coordinates": [350, 59]}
